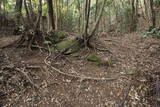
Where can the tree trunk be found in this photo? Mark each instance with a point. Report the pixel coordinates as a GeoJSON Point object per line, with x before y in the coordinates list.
{"type": "Point", "coordinates": [152, 14]}
{"type": "Point", "coordinates": [27, 13]}
{"type": "Point", "coordinates": [39, 15]}
{"type": "Point", "coordinates": [146, 9]}
{"type": "Point", "coordinates": [56, 14]}
{"type": "Point", "coordinates": [18, 9]}
{"type": "Point", "coordinates": [60, 14]}
{"type": "Point", "coordinates": [31, 10]}
{"type": "Point", "coordinates": [0, 5]}
{"type": "Point", "coordinates": [51, 23]}
{"type": "Point", "coordinates": [4, 6]}
{"type": "Point", "coordinates": [96, 10]}
{"type": "Point", "coordinates": [79, 17]}
{"type": "Point", "coordinates": [149, 5]}
{"type": "Point", "coordinates": [98, 20]}
{"type": "Point", "coordinates": [133, 25]}
{"type": "Point", "coordinates": [87, 14]}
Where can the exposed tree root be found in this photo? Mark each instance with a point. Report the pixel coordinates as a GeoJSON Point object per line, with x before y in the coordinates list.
{"type": "Point", "coordinates": [81, 43]}
{"type": "Point", "coordinates": [79, 76]}
{"type": "Point", "coordinates": [31, 39]}
{"type": "Point", "coordinates": [99, 49]}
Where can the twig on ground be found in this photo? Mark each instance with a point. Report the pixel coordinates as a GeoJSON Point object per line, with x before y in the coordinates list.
{"type": "Point", "coordinates": [157, 103]}
{"type": "Point", "coordinates": [33, 67]}
{"type": "Point", "coordinates": [99, 49]}
{"type": "Point", "coordinates": [125, 95]}
{"type": "Point", "coordinates": [26, 75]}
{"type": "Point", "coordinates": [110, 40]}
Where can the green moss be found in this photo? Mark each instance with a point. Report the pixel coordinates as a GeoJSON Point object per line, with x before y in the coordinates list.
{"type": "Point", "coordinates": [58, 36]}
{"type": "Point", "coordinates": [68, 43]}
{"type": "Point", "coordinates": [76, 47]}
{"type": "Point", "coordinates": [64, 44]}
{"type": "Point", "coordinates": [98, 61]}
{"type": "Point", "coordinates": [93, 58]}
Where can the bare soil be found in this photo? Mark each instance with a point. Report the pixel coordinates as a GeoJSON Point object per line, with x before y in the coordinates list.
{"type": "Point", "coordinates": [27, 81]}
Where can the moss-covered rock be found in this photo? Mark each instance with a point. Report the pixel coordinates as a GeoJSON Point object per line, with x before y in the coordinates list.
{"type": "Point", "coordinates": [74, 46]}
{"type": "Point", "coordinates": [99, 61]}
{"type": "Point", "coordinates": [63, 44]}
{"type": "Point", "coordinates": [58, 36]}
{"type": "Point", "coordinates": [94, 58]}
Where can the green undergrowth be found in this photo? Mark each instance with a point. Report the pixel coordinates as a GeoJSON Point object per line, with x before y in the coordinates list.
{"type": "Point", "coordinates": [152, 31]}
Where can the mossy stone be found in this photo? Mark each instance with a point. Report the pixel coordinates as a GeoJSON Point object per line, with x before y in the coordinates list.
{"type": "Point", "coordinates": [58, 36]}
{"type": "Point", "coordinates": [68, 43]}
{"type": "Point", "coordinates": [98, 61]}
{"type": "Point", "coordinates": [64, 44]}
{"type": "Point", "coordinates": [75, 48]}
{"type": "Point", "coordinates": [94, 58]}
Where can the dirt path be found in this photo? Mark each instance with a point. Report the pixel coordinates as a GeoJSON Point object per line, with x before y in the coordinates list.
{"type": "Point", "coordinates": [131, 55]}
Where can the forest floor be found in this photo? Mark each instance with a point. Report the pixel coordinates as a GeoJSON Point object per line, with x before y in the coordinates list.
{"type": "Point", "coordinates": [27, 81]}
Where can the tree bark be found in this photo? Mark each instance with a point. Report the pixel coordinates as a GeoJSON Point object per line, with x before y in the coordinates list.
{"type": "Point", "coordinates": [96, 10]}
{"type": "Point", "coordinates": [0, 5]}
{"type": "Point", "coordinates": [56, 14]}
{"type": "Point", "coordinates": [31, 10]}
{"type": "Point", "coordinates": [87, 14]}
{"type": "Point", "coordinates": [27, 13]}
{"type": "Point", "coordinates": [51, 23]}
{"type": "Point", "coordinates": [80, 15]}
{"type": "Point", "coordinates": [146, 9]}
{"type": "Point", "coordinates": [133, 25]}
{"type": "Point", "coordinates": [98, 20]}
{"type": "Point", "coordinates": [39, 15]}
{"type": "Point", "coordinates": [18, 9]}
{"type": "Point", "coordinates": [153, 18]}
{"type": "Point", "coordinates": [4, 6]}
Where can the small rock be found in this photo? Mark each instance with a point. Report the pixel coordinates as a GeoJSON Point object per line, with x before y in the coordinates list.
{"type": "Point", "coordinates": [68, 81]}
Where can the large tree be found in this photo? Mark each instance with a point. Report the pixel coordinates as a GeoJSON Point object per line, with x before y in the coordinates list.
{"type": "Point", "coordinates": [18, 14]}
{"type": "Point", "coordinates": [51, 23]}
{"type": "Point", "coordinates": [0, 5]}
{"type": "Point", "coordinates": [152, 14]}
